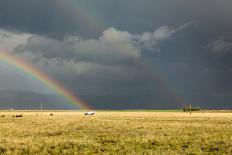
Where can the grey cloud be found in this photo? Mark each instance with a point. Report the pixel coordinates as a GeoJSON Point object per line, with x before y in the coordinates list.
{"type": "Point", "coordinates": [106, 62]}
{"type": "Point", "coordinates": [112, 47]}
{"type": "Point", "coordinates": [99, 61]}
{"type": "Point", "coordinates": [9, 40]}
{"type": "Point", "coordinates": [221, 45]}
{"type": "Point", "coordinates": [77, 56]}
{"type": "Point", "coordinates": [150, 40]}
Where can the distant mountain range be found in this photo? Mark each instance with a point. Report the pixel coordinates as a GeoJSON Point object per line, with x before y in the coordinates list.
{"type": "Point", "coordinates": [31, 100]}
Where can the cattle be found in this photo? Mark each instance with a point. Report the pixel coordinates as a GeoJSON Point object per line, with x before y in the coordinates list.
{"type": "Point", "coordinates": [17, 115]}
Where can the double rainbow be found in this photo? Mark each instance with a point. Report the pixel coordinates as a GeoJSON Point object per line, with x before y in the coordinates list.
{"type": "Point", "coordinates": [30, 70]}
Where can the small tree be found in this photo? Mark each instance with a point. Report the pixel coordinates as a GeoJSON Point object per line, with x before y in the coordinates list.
{"type": "Point", "coordinates": [190, 108]}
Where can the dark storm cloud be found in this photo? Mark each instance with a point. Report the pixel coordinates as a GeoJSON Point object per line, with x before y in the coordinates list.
{"type": "Point", "coordinates": [106, 65]}
{"type": "Point", "coordinates": [213, 15]}
{"type": "Point", "coordinates": [94, 47]}
{"type": "Point", "coordinates": [58, 17]}
{"type": "Point", "coordinates": [50, 17]}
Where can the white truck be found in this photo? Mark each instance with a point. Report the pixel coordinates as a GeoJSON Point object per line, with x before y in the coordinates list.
{"type": "Point", "coordinates": [90, 113]}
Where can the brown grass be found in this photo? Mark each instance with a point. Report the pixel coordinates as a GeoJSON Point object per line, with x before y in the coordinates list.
{"type": "Point", "coordinates": [71, 132]}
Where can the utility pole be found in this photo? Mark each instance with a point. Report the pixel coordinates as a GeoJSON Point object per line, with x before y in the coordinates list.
{"type": "Point", "coordinates": [190, 109]}
{"type": "Point", "coordinates": [41, 108]}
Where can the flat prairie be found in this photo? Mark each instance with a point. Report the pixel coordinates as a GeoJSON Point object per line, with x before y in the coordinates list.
{"type": "Point", "coordinates": [115, 132]}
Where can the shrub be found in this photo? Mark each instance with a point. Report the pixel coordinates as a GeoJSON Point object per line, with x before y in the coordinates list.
{"type": "Point", "coordinates": [187, 108]}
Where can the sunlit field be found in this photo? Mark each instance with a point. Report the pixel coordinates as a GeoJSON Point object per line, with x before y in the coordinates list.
{"type": "Point", "coordinates": [115, 132]}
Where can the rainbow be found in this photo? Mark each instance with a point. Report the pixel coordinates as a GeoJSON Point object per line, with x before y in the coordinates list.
{"type": "Point", "coordinates": [37, 74]}
{"type": "Point", "coordinates": [90, 18]}
{"type": "Point", "coordinates": [86, 16]}
{"type": "Point", "coordinates": [156, 75]}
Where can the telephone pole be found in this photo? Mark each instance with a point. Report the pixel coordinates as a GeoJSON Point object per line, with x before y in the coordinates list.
{"type": "Point", "coordinates": [190, 109]}
{"type": "Point", "coordinates": [41, 108]}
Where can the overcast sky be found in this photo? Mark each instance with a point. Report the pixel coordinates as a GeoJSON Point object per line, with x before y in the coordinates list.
{"type": "Point", "coordinates": [153, 51]}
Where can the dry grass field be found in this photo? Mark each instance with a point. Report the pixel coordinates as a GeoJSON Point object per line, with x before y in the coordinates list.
{"type": "Point", "coordinates": [70, 132]}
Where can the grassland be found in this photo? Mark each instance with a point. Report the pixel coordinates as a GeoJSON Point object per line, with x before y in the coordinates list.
{"type": "Point", "coordinates": [138, 132]}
